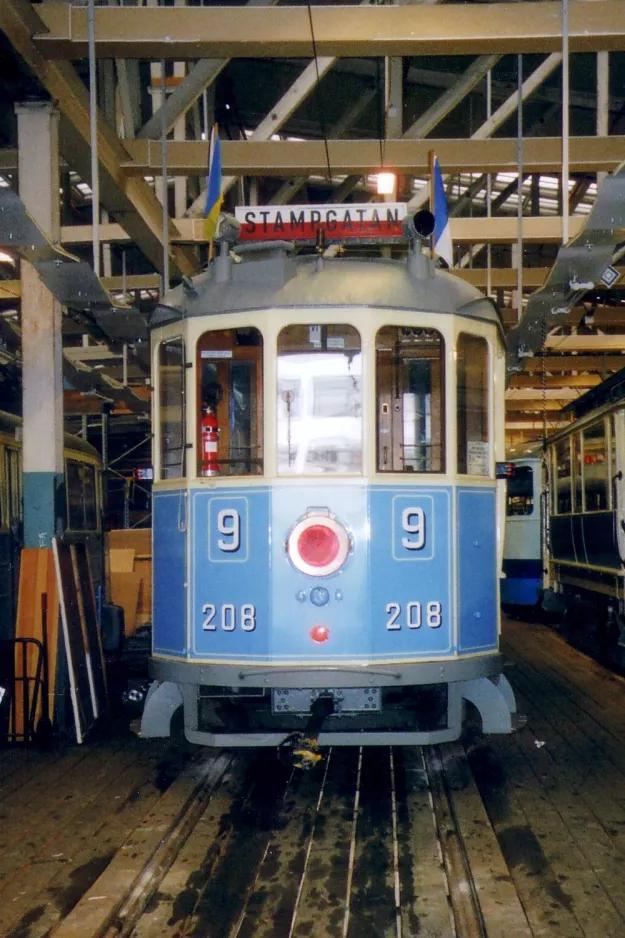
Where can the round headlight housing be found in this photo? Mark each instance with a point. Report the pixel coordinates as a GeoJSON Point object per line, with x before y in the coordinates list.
{"type": "Point", "coordinates": [318, 545]}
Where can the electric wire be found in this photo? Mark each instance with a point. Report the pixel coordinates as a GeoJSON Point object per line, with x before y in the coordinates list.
{"type": "Point", "coordinates": [320, 115]}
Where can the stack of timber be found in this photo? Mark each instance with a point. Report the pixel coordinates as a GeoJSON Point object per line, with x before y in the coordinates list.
{"type": "Point", "coordinates": [81, 632]}
{"type": "Point", "coordinates": [37, 622]}
{"type": "Point", "coordinates": [56, 597]}
{"type": "Point", "coordinates": [129, 553]}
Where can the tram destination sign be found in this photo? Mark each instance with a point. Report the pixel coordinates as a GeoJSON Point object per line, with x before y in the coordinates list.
{"type": "Point", "coordinates": [380, 220]}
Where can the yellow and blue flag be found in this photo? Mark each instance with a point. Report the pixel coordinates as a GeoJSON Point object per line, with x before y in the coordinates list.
{"type": "Point", "coordinates": [214, 196]}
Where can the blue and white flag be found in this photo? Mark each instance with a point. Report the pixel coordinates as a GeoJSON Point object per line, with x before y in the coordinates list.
{"type": "Point", "coordinates": [214, 196]}
{"type": "Point", "coordinates": [442, 232]}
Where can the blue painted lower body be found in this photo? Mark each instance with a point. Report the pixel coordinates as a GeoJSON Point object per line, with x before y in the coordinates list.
{"type": "Point", "coordinates": [523, 583]}
{"type": "Point", "coordinates": [420, 581]}
{"type": "Point", "coordinates": [520, 592]}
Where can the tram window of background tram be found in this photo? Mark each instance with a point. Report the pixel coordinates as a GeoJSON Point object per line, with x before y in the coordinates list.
{"type": "Point", "coordinates": [81, 496]}
{"type": "Point", "coordinates": [230, 376]}
{"type": "Point", "coordinates": [595, 468]}
{"type": "Point", "coordinates": [563, 476]}
{"type": "Point", "coordinates": [520, 492]}
{"type": "Point", "coordinates": [13, 472]}
{"type": "Point", "coordinates": [319, 403]}
{"type": "Point", "coordinates": [472, 391]}
{"type": "Point", "coordinates": [410, 400]}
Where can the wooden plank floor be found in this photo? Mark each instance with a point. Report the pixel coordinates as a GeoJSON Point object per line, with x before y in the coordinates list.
{"type": "Point", "coordinates": [552, 794]}
{"type": "Point", "coordinates": [64, 815]}
{"type": "Point", "coordinates": [555, 790]}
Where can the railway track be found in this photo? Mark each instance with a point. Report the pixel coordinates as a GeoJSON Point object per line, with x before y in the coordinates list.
{"type": "Point", "coordinates": [373, 842]}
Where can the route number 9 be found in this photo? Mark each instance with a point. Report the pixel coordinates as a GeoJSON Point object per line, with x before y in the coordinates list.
{"type": "Point", "coordinates": [413, 523]}
{"type": "Point", "coordinates": [229, 524]}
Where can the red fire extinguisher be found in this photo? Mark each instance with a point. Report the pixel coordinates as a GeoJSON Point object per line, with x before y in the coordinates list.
{"type": "Point", "coordinates": [210, 441]}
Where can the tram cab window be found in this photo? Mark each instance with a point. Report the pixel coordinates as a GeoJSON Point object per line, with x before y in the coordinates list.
{"type": "Point", "coordinates": [595, 468]}
{"type": "Point", "coordinates": [520, 492]}
{"type": "Point", "coordinates": [319, 404]}
{"type": "Point", "coordinates": [410, 400]}
{"type": "Point", "coordinates": [472, 400]}
{"type": "Point", "coordinates": [171, 371]}
{"type": "Point", "coordinates": [562, 458]}
{"type": "Point", "coordinates": [82, 499]}
{"type": "Point", "coordinates": [229, 394]}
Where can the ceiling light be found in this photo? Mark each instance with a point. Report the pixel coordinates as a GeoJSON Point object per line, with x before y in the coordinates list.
{"type": "Point", "coordinates": [386, 183]}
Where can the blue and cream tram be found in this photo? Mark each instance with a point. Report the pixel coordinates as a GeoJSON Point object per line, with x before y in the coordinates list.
{"type": "Point", "coordinates": [522, 583]}
{"type": "Point", "coordinates": [333, 531]}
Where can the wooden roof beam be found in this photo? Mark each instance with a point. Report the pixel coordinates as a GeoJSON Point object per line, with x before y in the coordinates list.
{"type": "Point", "coordinates": [359, 157]}
{"type": "Point", "coordinates": [412, 30]}
{"type": "Point", "coordinates": [554, 381]}
{"type": "Point", "coordinates": [604, 364]}
{"type": "Point", "coordinates": [539, 230]}
{"type": "Point", "coordinates": [122, 193]}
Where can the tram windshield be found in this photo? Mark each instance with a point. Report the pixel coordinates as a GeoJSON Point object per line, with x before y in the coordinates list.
{"type": "Point", "coordinates": [319, 406]}
{"type": "Point", "coordinates": [410, 400]}
{"type": "Point", "coordinates": [230, 375]}
{"type": "Point", "coordinates": [520, 492]}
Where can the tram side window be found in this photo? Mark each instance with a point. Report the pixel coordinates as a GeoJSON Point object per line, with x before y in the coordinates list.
{"type": "Point", "coordinates": [520, 492]}
{"type": "Point", "coordinates": [82, 501]}
{"type": "Point", "coordinates": [472, 426]}
{"type": "Point", "coordinates": [563, 477]}
{"type": "Point", "coordinates": [410, 381]}
{"type": "Point", "coordinates": [595, 468]}
{"type": "Point", "coordinates": [577, 473]}
{"type": "Point", "coordinates": [230, 382]}
{"type": "Point", "coordinates": [319, 404]}
{"type": "Point", "coordinates": [171, 370]}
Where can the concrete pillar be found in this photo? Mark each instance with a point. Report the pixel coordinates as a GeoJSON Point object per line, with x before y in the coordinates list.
{"type": "Point", "coordinates": [42, 353]}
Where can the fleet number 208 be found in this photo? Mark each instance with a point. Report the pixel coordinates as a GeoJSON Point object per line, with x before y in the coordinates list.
{"type": "Point", "coordinates": [228, 617]}
{"type": "Point", "coordinates": [413, 615]}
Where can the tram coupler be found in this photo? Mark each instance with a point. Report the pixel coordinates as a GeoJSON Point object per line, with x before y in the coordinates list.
{"type": "Point", "coordinates": [302, 748]}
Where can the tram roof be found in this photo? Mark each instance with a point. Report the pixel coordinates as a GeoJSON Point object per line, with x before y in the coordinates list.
{"type": "Point", "coordinates": [10, 423]}
{"type": "Point", "coordinates": [268, 276]}
{"type": "Point", "coordinates": [609, 392]}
